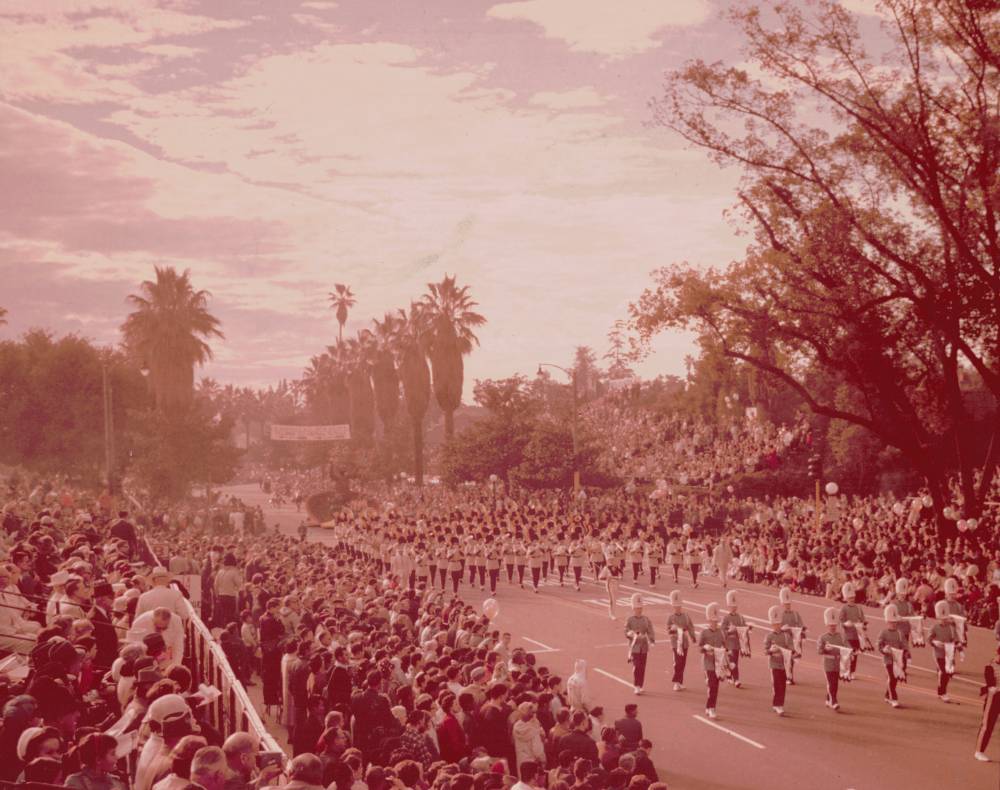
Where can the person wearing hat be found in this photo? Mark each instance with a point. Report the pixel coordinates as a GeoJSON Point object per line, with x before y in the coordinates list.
{"type": "Point", "coordinates": [682, 635]}
{"type": "Point", "coordinates": [577, 559]}
{"type": "Point", "coordinates": [956, 610]}
{"type": "Point", "coordinates": [675, 556]}
{"type": "Point", "coordinates": [710, 640]}
{"type": "Point", "coordinates": [731, 625]}
{"type": "Point", "coordinates": [792, 622]}
{"type": "Point", "coordinates": [639, 632]}
{"type": "Point", "coordinates": [852, 618]}
{"type": "Point", "coordinates": [895, 653]}
{"type": "Point", "coordinates": [829, 646]}
{"type": "Point", "coordinates": [904, 606]}
{"type": "Point", "coordinates": [17, 633]}
{"type": "Point", "coordinates": [779, 647]}
{"type": "Point", "coordinates": [161, 595]}
{"type": "Point", "coordinates": [991, 708]}
{"type": "Point", "coordinates": [105, 634]}
{"type": "Point", "coordinates": [165, 623]}
{"type": "Point", "coordinates": [943, 640]}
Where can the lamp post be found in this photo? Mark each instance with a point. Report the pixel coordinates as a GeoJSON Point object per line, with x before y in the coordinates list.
{"type": "Point", "coordinates": [493, 490]}
{"type": "Point", "coordinates": [572, 375]}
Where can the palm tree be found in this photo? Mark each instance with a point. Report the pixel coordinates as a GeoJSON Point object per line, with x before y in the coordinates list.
{"type": "Point", "coordinates": [384, 375]}
{"type": "Point", "coordinates": [359, 382]}
{"type": "Point", "coordinates": [316, 386]}
{"type": "Point", "coordinates": [451, 320]}
{"type": "Point", "coordinates": [342, 299]}
{"type": "Point", "coordinates": [167, 333]}
{"type": "Point", "coordinates": [416, 375]}
{"type": "Point", "coordinates": [339, 370]}
{"type": "Point", "coordinates": [3, 319]}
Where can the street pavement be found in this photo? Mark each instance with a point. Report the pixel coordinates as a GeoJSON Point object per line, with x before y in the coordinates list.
{"type": "Point", "coordinates": [865, 746]}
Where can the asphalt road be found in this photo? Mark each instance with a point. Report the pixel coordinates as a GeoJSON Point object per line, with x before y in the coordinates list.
{"type": "Point", "coordinates": [866, 745]}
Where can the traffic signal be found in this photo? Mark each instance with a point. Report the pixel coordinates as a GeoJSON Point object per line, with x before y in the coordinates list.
{"type": "Point", "coordinates": [815, 467]}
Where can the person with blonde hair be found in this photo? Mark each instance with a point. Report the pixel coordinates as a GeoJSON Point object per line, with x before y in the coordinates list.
{"type": "Point", "coordinates": [527, 733]}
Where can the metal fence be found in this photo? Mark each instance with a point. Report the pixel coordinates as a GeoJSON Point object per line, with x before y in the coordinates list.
{"type": "Point", "coordinates": [233, 711]}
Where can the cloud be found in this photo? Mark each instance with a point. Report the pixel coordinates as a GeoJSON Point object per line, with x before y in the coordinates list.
{"type": "Point", "coordinates": [569, 100]}
{"type": "Point", "coordinates": [615, 28]}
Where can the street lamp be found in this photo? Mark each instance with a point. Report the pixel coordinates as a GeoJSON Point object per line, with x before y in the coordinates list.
{"type": "Point", "coordinates": [572, 375]}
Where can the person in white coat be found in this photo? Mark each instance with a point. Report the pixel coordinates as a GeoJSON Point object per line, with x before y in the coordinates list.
{"type": "Point", "coordinates": [577, 687]}
{"type": "Point", "coordinates": [528, 743]}
{"type": "Point", "coordinates": [723, 558]}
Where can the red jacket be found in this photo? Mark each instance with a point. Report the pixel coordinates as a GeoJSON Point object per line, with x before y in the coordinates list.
{"type": "Point", "coordinates": [451, 739]}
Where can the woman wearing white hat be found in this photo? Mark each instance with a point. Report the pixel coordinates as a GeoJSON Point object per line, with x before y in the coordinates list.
{"type": "Point", "coordinates": [639, 632]}
{"type": "Point", "coordinates": [831, 646]}
{"type": "Point", "coordinates": [779, 648]}
{"type": "Point", "coordinates": [852, 618]}
{"type": "Point", "coordinates": [895, 653]}
{"type": "Point", "coordinates": [732, 625]}
{"type": "Point", "coordinates": [944, 641]}
{"type": "Point", "coordinates": [681, 631]}
{"type": "Point", "coordinates": [792, 622]}
{"type": "Point", "coordinates": [710, 640]}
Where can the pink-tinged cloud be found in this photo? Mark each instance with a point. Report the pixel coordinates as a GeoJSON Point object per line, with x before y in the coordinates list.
{"type": "Point", "coordinates": [274, 148]}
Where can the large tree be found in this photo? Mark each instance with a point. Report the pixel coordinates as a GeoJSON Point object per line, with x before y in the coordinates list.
{"type": "Point", "coordinates": [360, 353]}
{"type": "Point", "coordinates": [871, 186]}
{"type": "Point", "coordinates": [342, 300]}
{"type": "Point", "coordinates": [416, 376]}
{"type": "Point", "coordinates": [451, 319]}
{"type": "Point", "coordinates": [168, 333]}
{"type": "Point", "coordinates": [384, 374]}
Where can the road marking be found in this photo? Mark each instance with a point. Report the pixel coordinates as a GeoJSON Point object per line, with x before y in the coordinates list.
{"type": "Point", "coordinates": [613, 677]}
{"type": "Point", "coordinates": [728, 731]}
{"type": "Point", "coordinates": [544, 647]}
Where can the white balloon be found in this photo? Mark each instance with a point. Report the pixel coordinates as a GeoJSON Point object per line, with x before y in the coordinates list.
{"type": "Point", "coordinates": [972, 523]}
{"type": "Point", "coordinates": [858, 523]}
{"type": "Point", "coordinates": [832, 488]}
{"type": "Point", "coordinates": [949, 514]}
{"type": "Point", "coordinates": [898, 508]}
{"type": "Point", "coordinates": [916, 504]}
{"type": "Point", "coordinates": [928, 501]}
{"type": "Point", "coordinates": [961, 526]}
{"type": "Point", "coordinates": [491, 608]}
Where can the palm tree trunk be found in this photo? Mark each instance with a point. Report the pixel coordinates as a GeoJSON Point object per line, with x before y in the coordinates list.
{"type": "Point", "coordinates": [449, 424]}
{"type": "Point", "coordinates": [340, 333]}
{"type": "Point", "coordinates": [418, 450]}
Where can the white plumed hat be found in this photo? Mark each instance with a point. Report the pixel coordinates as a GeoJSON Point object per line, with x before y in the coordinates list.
{"type": "Point", "coordinates": [774, 615]}
{"type": "Point", "coordinates": [891, 613]}
{"type": "Point", "coordinates": [941, 610]}
{"type": "Point", "coordinates": [675, 598]}
{"type": "Point", "coordinates": [847, 590]}
{"type": "Point", "coordinates": [636, 600]}
{"type": "Point", "coordinates": [712, 611]}
{"type": "Point", "coordinates": [902, 586]}
{"type": "Point", "coordinates": [830, 616]}
{"type": "Point", "coordinates": [950, 586]}
{"type": "Point", "coordinates": [731, 598]}
{"type": "Point", "coordinates": [784, 595]}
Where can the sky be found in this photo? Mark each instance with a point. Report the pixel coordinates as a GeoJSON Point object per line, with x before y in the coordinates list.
{"type": "Point", "coordinates": [276, 147]}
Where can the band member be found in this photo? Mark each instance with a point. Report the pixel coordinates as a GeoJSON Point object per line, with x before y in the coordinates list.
{"type": "Point", "coordinates": [636, 551]}
{"type": "Point", "coordinates": [895, 653]}
{"type": "Point", "coordinates": [577, 558]}
{"type": "Point", "coordinates": [545, 546]}
{"type": "Point", "coordinates": [654, 559]}
{"type": "Point", "coordinates": [905, 609]}
{"type": "Point", "coordinates": [442, 563]}
{"type": "Point", "coordinates": [535, 555]}
{"type": "Point", "coordinates": [610, 575]}
{"type": "Point", "coordinates": [493, 553]}
{"type": "Point", "coordinates": [991, 708]}
{"type": "Point", "coordinates": [713, 649]}
{"type": "Point", "coordinates": [675, 557]}
{"type": "Point", "coordinates": [639, 632]}
{"type": "Point", "coordinates": [944, 642]}
{"type": "Point", "coordinates": [957, 612]}
{"type": "Point", "coordinates": [831, 646]}
{"type": "Point", "coordinates": [596, 553]}
{"type": "Point", "coordinates": [455, 565]}
{"type": "Point", "coordinates": [792, 622]}
{"type": "Point", "coordinates": [522, 561]}
{"type": "Point", "coordinates": [852, 618]}
{"type": "Point", "coordinates": [509, 558]}
{"type": "Point", "coordinates": [693, 554]}
{"type": "Point", "coordinates": [474, 562]}
{"type": "Point", "coordinates": [681, 631]}
{"type": "Point", "coordinates": [779, 649]}
{"type": "Point", "coordinates": [560, 555]}
{"type": "Point", "coordinates": [736, 631]}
